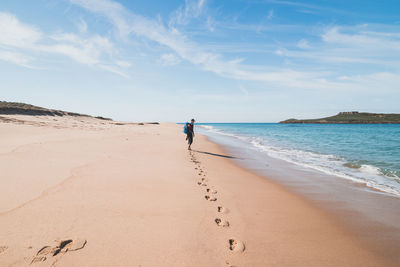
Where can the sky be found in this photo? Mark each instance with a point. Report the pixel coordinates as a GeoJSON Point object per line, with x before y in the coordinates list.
{"type": "Point", "coordinates": [213, 60]}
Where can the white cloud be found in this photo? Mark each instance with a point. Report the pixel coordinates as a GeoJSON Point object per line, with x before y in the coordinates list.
{"type": "Point", "coordinates": [280, 52]}
{"type": "Point", "coordinates": [353, 47]}
{"type": "Point", "coordinates": [16, 58]}
{"type": "Point", "coordinates": [184, 14]}
{"type": "Point", "coordinates": [362, 40]}
{"type": "Point", "coordinates": [87, 51]}
{"type": "Point", "coordinates": [309, 8]}
{"type": "Point", "coordinates": [384, 34]}
{"type": "Point", "coordinates": [303, 43]}
{"type": "Point", "coordinates": [114, 70]}
{"type": "Point", "coordinates": [123, 64]}
{"type": "Point", "coordinates": [169, 60]}
{"type": "Point", "coordinates": [16, 34]}
{"type": "Point", "coordinates": [20, 43]}
{"type": "Point", "coordinates": [382, 81]}
{"type": "Point", "coordinates": [130, 23]}
{"type": "Point", "coordinates": [210, 24]}
{"type": "Point", "coordinates": [82, 25]}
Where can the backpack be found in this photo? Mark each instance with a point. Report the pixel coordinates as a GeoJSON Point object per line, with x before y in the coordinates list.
{"type": "Point", "coordinates": [185, 128]}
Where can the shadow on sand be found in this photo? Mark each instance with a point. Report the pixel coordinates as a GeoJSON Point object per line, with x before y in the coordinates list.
{"type": "Point", "coordinates": [214, 154]}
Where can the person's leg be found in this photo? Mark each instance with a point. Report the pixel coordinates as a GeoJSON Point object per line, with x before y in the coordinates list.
{"type": "Point", "coordinates": [190, 140]}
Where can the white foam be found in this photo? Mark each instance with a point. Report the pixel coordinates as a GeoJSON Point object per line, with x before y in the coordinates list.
{"type": "Point", "coordinates": [370, 169]}
{"type": "Point", "coordinates": [207, 127]}
{"type": "Point", "coordinates": [368, 175]}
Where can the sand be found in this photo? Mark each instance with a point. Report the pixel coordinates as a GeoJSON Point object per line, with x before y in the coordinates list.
{"type": "Point", "coordinates": [88, 192]}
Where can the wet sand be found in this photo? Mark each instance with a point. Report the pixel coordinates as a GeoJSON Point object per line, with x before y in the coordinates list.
{"type": "Point", "coordinates": [86, 192]}
{"type": "Point", "coordinates": [370, 215]}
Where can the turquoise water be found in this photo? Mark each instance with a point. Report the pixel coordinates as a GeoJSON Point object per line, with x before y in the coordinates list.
{"type": "Point", "coordinates": [364, 153]}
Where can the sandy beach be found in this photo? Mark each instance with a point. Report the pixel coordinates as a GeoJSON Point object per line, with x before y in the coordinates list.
{"type": "Point", "coordinates": [89, 192]}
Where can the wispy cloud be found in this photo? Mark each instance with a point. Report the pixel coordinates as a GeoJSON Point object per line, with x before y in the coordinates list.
{"type": "Point", "coordinates": [350, 45]}
{"type": "Point", "coordinates": [210, 24]}
{"type": "Point", "coordinates": [261, 27]}
{"type": "Point", "coordinates": [172, 44]}
{"type": "Point", "coordinates": [293, 3]}
{"type": "Point", "coordinates": [16, 58]}
{"type": "Point", "coordinates": [86, 51]}
{"type": "Point", "coordinates": [16, 34]}
{"type": "Point", "coordinates": [323, 8]}
{"type": "Point", "coordinates": [123, 64]}
{"type": "Point", "coordinates": [128, 23]}
{"type": "Point", "coordinates": [184, 14]}
{"type": "Point", "coordinates": [362, 40]}
{"type": "Point", "coordinates": [169, 60]}
{"type": "Point", "coordinates": [303, 43]}
{"type": "Point", "coordinates": [82, 25]}
{"type": "Point", "coordinates": [20, 43]}
{"type": "Point", "coordinates": [308, 8]}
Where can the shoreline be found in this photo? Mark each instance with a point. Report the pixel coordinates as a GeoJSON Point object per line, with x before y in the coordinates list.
{"type": "Point", "coordinates": [325, 158]}
{"type": "Point", "coordinates": [313, 205]}
{"type": "Point", "coordinates": [377, 228]}
{"type": "Point", "coordinates": [102, 195]}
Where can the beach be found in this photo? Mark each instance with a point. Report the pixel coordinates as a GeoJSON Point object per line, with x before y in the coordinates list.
{"type": "Point", "coordinates": [90, 192]}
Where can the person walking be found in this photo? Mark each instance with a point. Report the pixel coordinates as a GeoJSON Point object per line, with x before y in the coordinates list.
{"type": "Point", "coordinates": [190, 133]}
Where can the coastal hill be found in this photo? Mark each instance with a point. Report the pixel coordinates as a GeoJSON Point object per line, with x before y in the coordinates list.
{"type": "Point", "coordinates": [14, 108]}
{"type": "Point", "coordinates": [352, 117]}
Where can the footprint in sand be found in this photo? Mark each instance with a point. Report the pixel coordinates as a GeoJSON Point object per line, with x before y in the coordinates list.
{"type": "Point", "coordinates": [221, 222]}
{"type": "Point", "coordinates": [202, 183]}
{"type": "Point", "coordinates": [210, 198]}
{"type": "Point", "coordinates": [211, 191]}
{"type": "Point", "coordinates": [227, 263]}
{"type": "Point", "coordinates": [3, 248]}
{"type": "Point", "coordinates": [222, 209]}
{"type": "Point", "coordinates": [64, 246]}
{"type": "Point", "coordinates": [236, 245]}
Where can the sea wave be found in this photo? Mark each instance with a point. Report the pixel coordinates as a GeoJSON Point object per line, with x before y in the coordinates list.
{"type": "Point", "coordinates": [386, 181]}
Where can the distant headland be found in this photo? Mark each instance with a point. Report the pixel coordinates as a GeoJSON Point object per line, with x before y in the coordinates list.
{"type": "Point", "coordinates": [9, 109]}
{"type": "Point", "coordinates": [353, 117]}
{"type": "Point", "coordinates": [14, 108]}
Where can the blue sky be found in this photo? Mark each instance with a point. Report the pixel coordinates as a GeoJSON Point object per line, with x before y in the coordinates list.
{"type": "Point", "coordinates": [217, 61]}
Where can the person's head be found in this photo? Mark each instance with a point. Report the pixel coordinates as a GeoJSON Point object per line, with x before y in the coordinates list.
{"type": "Point", "coordinates": [192, 121]}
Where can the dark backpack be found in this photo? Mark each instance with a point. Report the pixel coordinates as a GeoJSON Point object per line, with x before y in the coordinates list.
{"type": "Point", "coordinates": [185, 128]}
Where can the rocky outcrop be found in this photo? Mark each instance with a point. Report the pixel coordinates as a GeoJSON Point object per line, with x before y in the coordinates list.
{"type": "Point", "coordinates": [353, 117]}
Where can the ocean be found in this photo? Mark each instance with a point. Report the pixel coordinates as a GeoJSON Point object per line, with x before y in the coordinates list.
{"type": "Point", "coordinates": [367, 154]}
